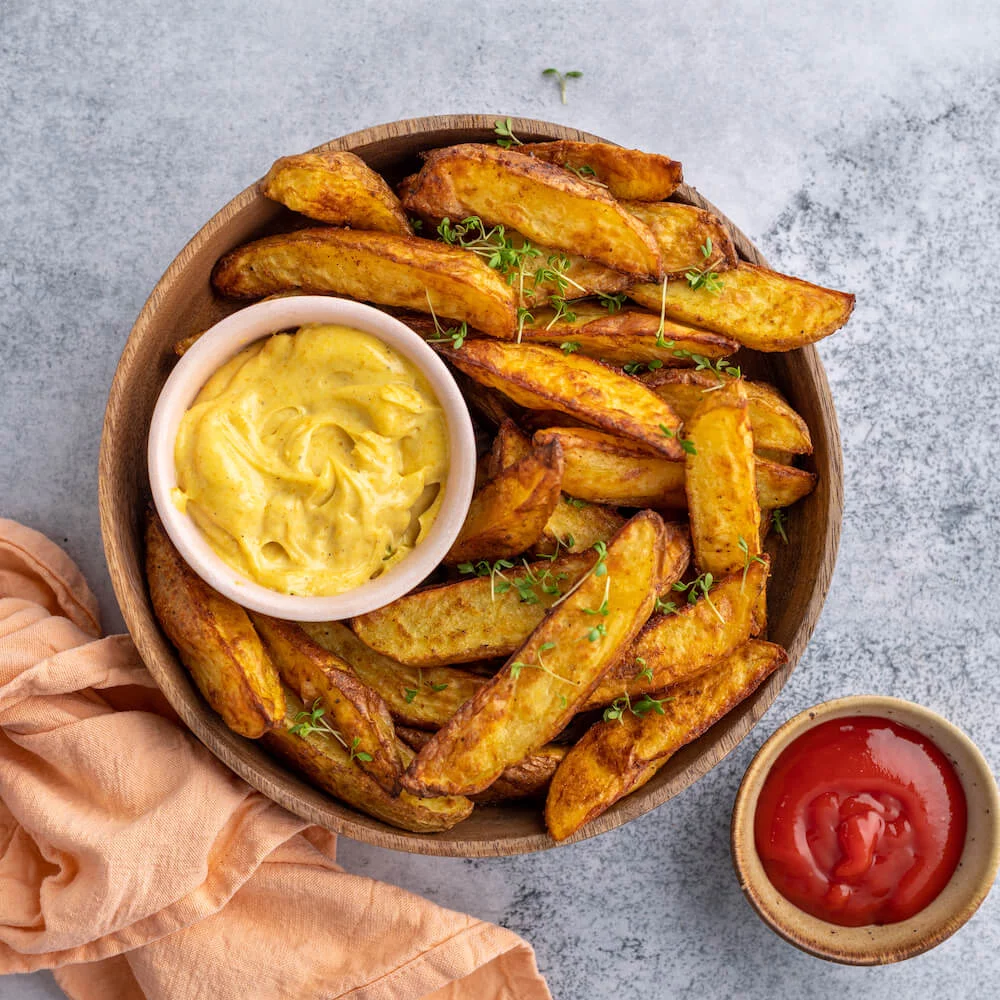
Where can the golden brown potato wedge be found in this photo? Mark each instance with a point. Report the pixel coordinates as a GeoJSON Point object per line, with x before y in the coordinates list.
{"type": "Point", "coordinates": [578, 278]}
{"type": "Point", "coordinates": [547, 204]}
{"type": "Point", "coordinates": [215, 640]}
{"type": "Point", "coordinates": [391, 270]}
{"type": "Point", "coordinates": [627, 173]}
{"type": "Point", "coordinates": [352, 709]}
{"type": "Point", "coordinates": [675, 646]}
{"type": "Point", "coordinates": [507, 516]}
{"type": "Point", "coordinates": [545, 378]}
{"type": "Point", "coordinates": [625, 337]}
{"type": "Point", "coordinates": [528, 779]}
{"type": "Point", "coordinates": [776, 426]}
{"type": "Point", "coordinates": [762, 309]}
{"type": "Point", "coordinates": [539, 688]}
{"type": "Point", "coordinates": [574, 525]}
{"type": "Point", "coordinates": [613, 756]}
{"type": "Point", "coordinates": [684, 234]}
{"type": "Point", "coordinates": [781, 485]}
{"type": "Point", "coordinates": [325, 763]}
{"type": "Point", "coordinates": [475, 619]}
{"type": "Point", "coordinates": [606, 468]}
{"type": "Point", "coordinates": [425, 698]}
{"type": "Point", "coordinates": [721, 482]}
{"type": "Point", "coordinates": [335, 187]}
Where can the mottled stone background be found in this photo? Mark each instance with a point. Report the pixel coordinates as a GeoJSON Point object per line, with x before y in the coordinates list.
{"type": "Point", "coordinates": [858, 143]}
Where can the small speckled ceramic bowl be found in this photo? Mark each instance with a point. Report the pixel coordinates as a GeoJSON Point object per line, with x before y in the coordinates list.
{"type": "Point", "coordinates": [221, 343]}
{"type": "Point", "coordinates": [887, 943]}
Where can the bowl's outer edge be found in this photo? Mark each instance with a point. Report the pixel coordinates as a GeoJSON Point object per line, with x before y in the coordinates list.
{"type": "Point", "coordinates": [120, 516]}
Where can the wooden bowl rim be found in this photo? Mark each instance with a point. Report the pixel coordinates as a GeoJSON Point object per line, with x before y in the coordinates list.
{"type": "Point", "coordinates": [281, 785]}
{"type": "Point", "coordinates": [887, 943]}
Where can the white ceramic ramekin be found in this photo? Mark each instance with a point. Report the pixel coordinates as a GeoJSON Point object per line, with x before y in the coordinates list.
{"type": "Point", "coordinates": [222, 342]}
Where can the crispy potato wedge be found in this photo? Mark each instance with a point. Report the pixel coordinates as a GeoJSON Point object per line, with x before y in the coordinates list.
{"type": "Point", "coordinates": [580, 278]}
{"type": "Point", "coordinates": [326, 764]}
{"type": "Point", "coordinates": [673, 647]}
{"type": "Point", "coordinates": [391, 270]}
{"type": "Point", "coordinates": [627, 173]}
{"type": "Point", "coordinates": [782, 485]}
{"type": "Point", "coordinates": [539, 688]}
{"type": "Point", "coordinates": [776, 426]}
{"type": "Point", "coordinates": [721, 482]}
{"type": "Point", "coordinates": [682, 231]}
{"type": "Point", "coordinates": [353, 708]}
{"type": "Point", "coordinates": [574, 525]}
{"type": "Point", "coordinates": [605, 468]}
{"type": "Point", "coordinates": [215, 640]}
{"type": "Point", "coordinates": [528, 779]}
{"type": "Point", "coordinates": [547, 204]}
{"type": "Point", "coordinates": [626, 336]}
{"type": "Point", "coordinates": [614, 756]}
{"type": "Point", "coordinates": [424, 698]}
{"type": "Point", "coordinates": [762, 309]}
{"type": "Point", "coordinates": [335, 187]}
{"type": "Point", "coordinates": [507, 516]}
{"type": "Point", "coordinates": [545, 378]}
{"type": "Point", "coordinates": [475, 619]}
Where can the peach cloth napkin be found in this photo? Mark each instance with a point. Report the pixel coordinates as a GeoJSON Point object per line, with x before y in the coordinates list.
{"type": "Point", "coordinates": [136, 866]}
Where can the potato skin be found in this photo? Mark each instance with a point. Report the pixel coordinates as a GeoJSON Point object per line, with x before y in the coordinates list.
{"type": "Point", "coordinates": [507, 516]}
{"type": "Point", "coordinates": [384, 268]}
{"type": "Point", "coordinates": [327, 765]}
{"type": "Point", "coordinates": [355, 710]}
{"type": "Point", "coordinates": [549, 205]}
{"type": "Point", "coordinates": [681, 231]}
{"type": "Point", "coordinates": [628, 173]}
{"type": "Point", "coordinates": [614, 758]}
{"type": "Point", "coordinates": [214, 638]}
{"type": "Point", "coordinates": [336, 187]}
{"type": "Point", "coordinates": [762, 309]}
{"type": "Point", "coordinates": [543, 378]}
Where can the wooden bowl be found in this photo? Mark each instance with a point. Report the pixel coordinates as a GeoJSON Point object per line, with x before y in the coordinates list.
{"type": "Point", "coordinates": [874, 944]}
{"type": "Point", "coordinates": [183, 302]}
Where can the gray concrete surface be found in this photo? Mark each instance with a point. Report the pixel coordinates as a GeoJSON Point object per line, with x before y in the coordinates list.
{"type": "Point", "coordinates": [859, 144]}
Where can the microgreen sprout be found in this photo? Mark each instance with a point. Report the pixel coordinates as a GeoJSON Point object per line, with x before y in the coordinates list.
{"type": "Point", "coordinates": [504, 129]}
{"type": "Point", "coordinates": [312, 720]}
{"type": "Point", "coordinates": [700, 585]}
{"type": "Point", "coordinates": [575, 502]}
{"type": "Point", "coordinates": [778, 523]}
{"type": "Point", "coordinates": [616, 710]}
{"type": "Point", "coordinates": [411, 693]}
{"type": "Point", "coordinates": [686, 443]}
{"type": "Point", "coordinates": [747, 559]}
{"type": "Point", "coordinates": [518, 665]}
{"type": "Point", "coordinates": [455, 334]}
{"type": "Point", "coordinates": [645, 673]}
{"type": "Point", "coordinates": [573, 74]}
{"type": "Point", "coordinates": [705, 277]}
{"type": "Point", "coordinates": [569, 346]}
{"type": "Point", "coordinates": [613, 303]}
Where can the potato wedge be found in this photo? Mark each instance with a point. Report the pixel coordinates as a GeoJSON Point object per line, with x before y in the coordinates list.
{"type": "Point", "coordinates": [627, 173]}
{"type": "Point", "coordinates": [579, 278]}
{"type": "Point", "coordinates": [335, 187]}
{"type": "Point", "coordinates": [574, 525]}
{"type": "Point", "coordinates": [326, 764]}
{"type": "Point", "coordinates": [547, 204]}
{"type": "Point", "coordinates": [776, 426]}
{"type": "Point", "coordinates": [781, 485]}
{"type": "Point", "coordinates": [215, 640]}
{"type": "Point", "coordinates": [624, 337]}
{"type": "Point", "coordinates": [475, 619]}
{"type": "Point", "coordinates": [424, 698]}
{"type": "Point", "coordinates": [384, 268]}
{"type": "Point", "coordinates": [684, 233]}
{"type": "Point", "coordinates": [539, 688]}
{"type": "Point", "coordinates": [606, 468]}
{"type": "Point", "coordinates": [721, 484]}
{"type": "Point", "coordinates": [545, 378]}
{"type": "Point", "coordinates": [612, 757]}
{"type": "Point", "coordinates": [674, 647]}
{"type": "Point", "coordinates": [528, 779]}
{"type": "Point", "coordinates": [762, 309]}
{"type": "Point", "coordinates": [353, 709]}
{"type": "Point", "coordinates": [507, 516]}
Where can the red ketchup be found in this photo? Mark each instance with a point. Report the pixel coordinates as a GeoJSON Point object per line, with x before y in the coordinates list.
{"type": "Point", "coordinates": [860, 821]}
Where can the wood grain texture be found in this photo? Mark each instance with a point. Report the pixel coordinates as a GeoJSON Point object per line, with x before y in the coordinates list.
{"type": "Point", "coordinates": [183, 303]}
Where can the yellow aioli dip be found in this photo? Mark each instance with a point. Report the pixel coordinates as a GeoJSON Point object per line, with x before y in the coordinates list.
{"type": "Point", "coordinates": [313, 461]}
